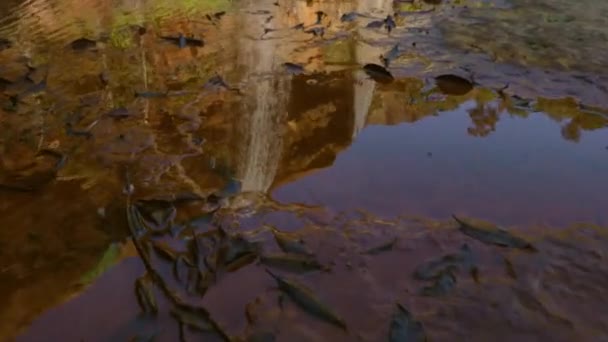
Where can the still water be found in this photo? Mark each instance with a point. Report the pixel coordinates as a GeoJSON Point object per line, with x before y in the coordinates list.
{"type": "Point", "coordinates": [156, 157]}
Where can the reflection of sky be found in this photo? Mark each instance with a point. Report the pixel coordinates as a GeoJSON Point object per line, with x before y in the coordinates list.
{"type": "Point", "coordinates": [523, 172]}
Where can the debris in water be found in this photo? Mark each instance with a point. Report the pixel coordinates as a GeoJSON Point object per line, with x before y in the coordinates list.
{"type": "Point", "coordinates": [453, 85]}
{"type": "Point", "coordinates": [145, 295]}
{"type": "Point", "coordinates": [442, 285]}
{"type": "Point", "coordinates": [291, 262]}
{"type": "Point", "coordinates": [434, 268]}
{"type": "Point", "coordinates": [348, 17]}
{"type": "Point", "coordinates": [290, 242]}
{"type": "Point", "coordinates": [391, 55]}
{"type": "Point", "coordinates": [387, 246]}
{"type": "Point", "coordinates": [183, 41]}
{"type": "Point", "coordinates": [389, 23]}
{"type": "Point", "coordinates": [83, 44]}
{"type": "Point", "coordinates": [378, 73]}
{"type": "Point", "coordinates": [375, 24]}
{"type": "Point", "coordinates": [294, 69]}
{"type": "Point", "coordinates": [493, 235]}
{"type": "Point", "coordinates": [316, 31]}
{"type": "Point", "coordinates": [306, 299]}
{"type": "Point", "coordinates": [404, 328]}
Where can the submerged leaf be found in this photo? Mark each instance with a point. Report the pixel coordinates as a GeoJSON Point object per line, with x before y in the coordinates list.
{"type": "Point", "coordinates": [145, 295]}
{"type": "Point", "coordinates": [290, 242]}
{"type": "Point", "coordinates": [404, 328]}
{"type": "Point", "coordinates": [493, 236]}
{"type": "Point", "coordinates": [291, 262]}
{"type": "Point", "coordinates": [378, 73]}
{"type": "Point", "coordinates": [194, 318]}
{"type": "Point", "coordinates": [384, 247]}
{"type": "Point", "coordinates": [453, 85]}
{"type": "Point", "coordinates": [306, 299]}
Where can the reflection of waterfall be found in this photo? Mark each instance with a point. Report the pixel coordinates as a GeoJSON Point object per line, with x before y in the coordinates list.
{"type": "Point", "coordinates": [264, 104]}
{"type": "Point", "coordinates": [364, 86]}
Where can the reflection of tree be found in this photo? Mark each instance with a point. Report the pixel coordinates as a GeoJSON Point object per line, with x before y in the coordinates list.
{"type": "Point", "coordinates": [484, 118]}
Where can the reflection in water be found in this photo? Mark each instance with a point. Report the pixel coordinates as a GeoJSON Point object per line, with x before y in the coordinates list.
{"type": "Point", "coordinates": [265, 103]}
{"type": "Point", "coordinates": [330, 138]}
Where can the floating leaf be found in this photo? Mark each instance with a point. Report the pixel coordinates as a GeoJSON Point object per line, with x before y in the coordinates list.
{"type": "Point", "coordinates": [293, 69]}
{"type": "Point", "coordinates": [145, 295]}
{"type": "Point", "coordinates": [391, 55]}
{"type": "Point", "coordinates": [378, 73]}
{"type": "Point", "coordinates": [290, 242]}
{"type": "Point", "coordinates": [494, 236]}
{"type": "Point", "coordinates": [306, 299]}
{"type": "Point", "coordinates": [375, 24]}
{"type": "Point", "coordinates": [384, 247]}
{"type": "Point", "coordinates": [291, 262]}
{"type": "Point", "coordinates": [350, 16]}
{"type": "Point", "coordinates": [404, 328]}
{"type": "Point", "coordinates": [83, 44]}
{"type": "Point", "coordinates": [453, 85]}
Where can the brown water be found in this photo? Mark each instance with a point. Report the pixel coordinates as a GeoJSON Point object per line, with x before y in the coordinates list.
{"type": "Point", "coordinates": [345, 162]}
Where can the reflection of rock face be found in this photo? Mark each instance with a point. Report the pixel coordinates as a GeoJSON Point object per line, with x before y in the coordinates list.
{"type": "Point", "coordinates": [364, 86]}
{"type": "Point", "coordinates": [264, 106]}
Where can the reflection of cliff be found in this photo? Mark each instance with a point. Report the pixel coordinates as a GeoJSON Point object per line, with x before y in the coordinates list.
{"type": "Point", "coordinates": [320, 125]}
{"type": "Point", "coordinates": [263, 105]}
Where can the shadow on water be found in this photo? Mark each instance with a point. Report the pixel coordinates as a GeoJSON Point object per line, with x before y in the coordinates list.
{"type": "Point", "coordinates": [254, 171]}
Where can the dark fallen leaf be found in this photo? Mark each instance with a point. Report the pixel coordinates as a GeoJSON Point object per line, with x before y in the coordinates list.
{"type": "Point", "coordinates": [183, 41]}
{"type": "Point", "coordinates": [83, 44]}
{"type": "Point", "coordinates": [375, 24]}
{"type": "Point", "coordinates": [384, 247]}
{"type": "Point", "coordinates": [378, 73]}
{"type": "Point", "coordinates": [404, 328]}
{"type": "Point", "coordinates": [119, 113]}
{"type": "Point", "coordinates": [494, 236]}
{"type": "Point", "coordinates": [291, 262]}
{"type": "Point", "coordinates": [259, 12]}
{"type": "Point", "coordinates": [348, 17]}
{"type": "Point", "coordinates": [432, 269]}
{"type": "Point", "coordinates": [145, 294]}
{"type": "Point", "coordinates": [442, 285]}
{"type": "Point", "coordinates": [389, 23]}
{"type": "Point", "coordinates": [391, 55]}
{"type": "Point", "coordinates": [453, 85]}
{"type": "Point", "coordinates": [217, 82]}
{"type": "Point", "coordinates": [5, 44]}
{"type": "Point", "coordinates": [320, 16]}
{"type": "Point", "coordinates": [219, 15]}
{"type": "Point", "coordinates": [150, 94]}
{"type": "Point", "coordinates": [316, 31]}
{"type": "Point", "coordinates": [306, 299]}
{"type": "Point", "coordinates": [299, 26]}
{"type": "Point", "coordinates": [433, 2]}
{"type": "Point", "coordinates": [290, 243]}
{"type": "Point", "coordinates": [293, 69]}
{"type": "Point", "coordinates": [240, 262]}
